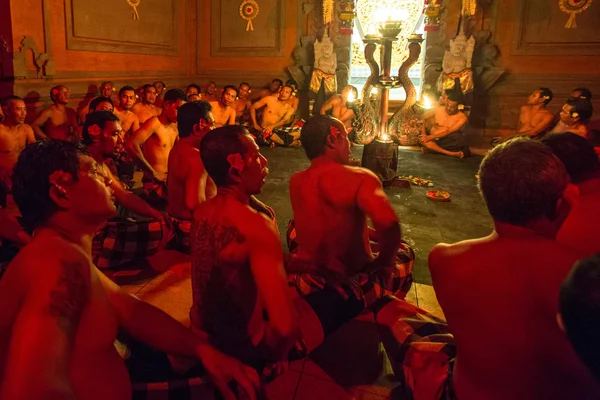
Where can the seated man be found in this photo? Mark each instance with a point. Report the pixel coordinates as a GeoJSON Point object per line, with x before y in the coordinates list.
{"type": "Point", "coordinates": [240, 296]}
{"type": "Point", "coordinates": [535, 120]}
{"type": "Point", "coordinates": [121, 239]}
{"type": "Point", "coordinates": [580, 230]}
{"type": "Point", "coordinates": [338, 106]}
{"type": "Point", "coordinates": [15, 134]}
{"type": "Point", "coordinates": [58, 323]}
{"type": "Point", "coordinates": [189, 184]}
{"type": "Point", "coordinates": [505, 337]}
{"type": "Point", "coordinates": [130, 122]}
{"type": "Point", "coordinates": [273, 89]}
{"type": "Point", "coordinates": [161, 90]}
{"type": "Point", "coordinates": [331, 203]}
{"type": "Point", "coordinates": [574, 116]}
{"type": "Point", "coordinates": [445, 136]}
{"type": "Point", "coordinates": [57, 121]}
{"type": "Point", "coordinates": [242, 104]}
{"type": "Point", "coordinates": [210, 92]}
{"type": "Point", "coordinates": [222, 109]}
{"type": "Point", "coordinates": [146, 108]}
{"type": "Point", "coordinates": [158, 136]}
{"type": "Point", "coordinates": [193, 92]}
{"type": "Point", "coordinates": [237, 259]}
{"type": "Point", "coordinates": [276, 114]}
{"type": "Point", "coordinates": [294, 101]}
{"type": "Point", "coordinates": [579, 307]}
{"type": "Point", "coordinates": [106, 90]}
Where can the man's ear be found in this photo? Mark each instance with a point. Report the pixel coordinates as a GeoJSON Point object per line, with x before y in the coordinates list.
{"type": "Point", "coordinates": [59, 182]}
{"type": "Point", "coordinates": [330, 143]}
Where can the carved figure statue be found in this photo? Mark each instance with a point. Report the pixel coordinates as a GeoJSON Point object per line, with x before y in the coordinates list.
{"type": "Point", "coordinates": [325, 66]}
{"type": "Point", "coordinates": [457, 64]}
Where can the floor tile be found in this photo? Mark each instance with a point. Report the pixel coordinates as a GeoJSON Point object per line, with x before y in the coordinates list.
{"type": "Point", "coordinates": [428, 301]}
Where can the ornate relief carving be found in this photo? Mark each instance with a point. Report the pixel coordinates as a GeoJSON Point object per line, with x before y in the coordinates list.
{"type": "Point", "coordinates": [44, 66]}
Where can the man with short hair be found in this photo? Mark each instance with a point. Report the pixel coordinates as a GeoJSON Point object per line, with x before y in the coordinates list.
{"type": "Point", "coordinates": [193, 92]}
{"type": "Point", "coordinates": [146, 108]}
{"type": "Point", "coordinates": [189, 184]}
{"type": "Point", "coordinates": [130, 122]}
{"type": "Point", "coordinates": [579, 311]}
{"type": "Point", "coordinates": [273, 89]}
{"type": "Point", "coordinates": [128, 239]}
{"type": "Point", "coordinates": [442, 126]}
{"type": "Point", "coordinates": [15, 134]}
{"type": "Point", "coordinates": [276, 114]}
{"type": "Point", "coordinates": [534, 119]}
{"type": "Point", "coordinates": [161, 88]}
{"type": "Point", "coordinates": [158, 136]}
{"type": "Point", "coordinates": [237, 259]}
{"type": "Point", "coordinates": [574, 116]}
{"type": "Point", "coordinates": [242, 104]}
{"type": "Point", "coordinates": [58, 323]}
{"type": "Point", "coordinates": [57, 121]}
{"type": "Point", "coordinates": [528, 194]}
{"type": "Point", "coordinates": [338, 104]}
{"type": "Point", "coordinates": [210, 92]}
{"type": "Point", "coordinates": [580, 230]}
{"type": "Point", "coordinates": [331, 203]}
{"type": "Point", "coordinates": [581, 93]}
{"type": "Point", "coordinates": [222, 110]}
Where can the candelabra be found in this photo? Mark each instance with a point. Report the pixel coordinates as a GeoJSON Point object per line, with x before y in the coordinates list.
{"type": "Point", "coordinates": [380, 152]}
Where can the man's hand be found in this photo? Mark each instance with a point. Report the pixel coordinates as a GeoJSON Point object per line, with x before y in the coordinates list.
{"type": "Point", "coordinates": [258, 127]}
{"type": "Point", "coordinates": [160, 176]}
{"type": "Point", "coordinates": [223, 369]}
{"type": "Point", "coordinates": [268, 130]}
{"type": "Point", "coordinates": [425, 138]}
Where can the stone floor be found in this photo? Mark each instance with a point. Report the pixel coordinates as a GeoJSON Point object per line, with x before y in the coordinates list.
{"type": "Point", "coordinates": [352, 363]}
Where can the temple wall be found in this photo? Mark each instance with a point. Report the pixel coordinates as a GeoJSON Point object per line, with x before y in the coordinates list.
{"type": "Point", "coordinates": [533, 48]}
{"type": "Point", "coordinates": [176, 41]}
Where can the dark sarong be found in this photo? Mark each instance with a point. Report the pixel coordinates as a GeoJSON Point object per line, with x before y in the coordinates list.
{"type": "Point", "coordinates": [455, 141]}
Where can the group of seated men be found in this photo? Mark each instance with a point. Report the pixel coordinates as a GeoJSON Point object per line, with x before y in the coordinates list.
{"type": "Point", "coordinates": [254, 308]}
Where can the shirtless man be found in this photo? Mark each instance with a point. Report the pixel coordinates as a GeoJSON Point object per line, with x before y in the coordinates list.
{"type": "Point", "coordinates": [276, 114]}
{"type": "Point", "coordinates": [193, 92]}
{"type": "Point", "coordinates": [580, 230]}
{"type": "Point", "coordinates": [106, 90]}
{"type": "Point", "coordinates": [273, 89]}
{"type": "Point", "coordinates": [15, 134]}
{"type": "Point", "coordinates": [57, 121]}
{"type": "Point", "coordinates": [574, 116]}
{"type": "Point", "coordinates": [58, 323]}
{"type": "Point", "coordinates": [535, 120]}
{"type": "Point", "coordinates": [338, 104]}
{"type": "Point", "coordinates": [331, 203]}
{"type": "Point", "coordinates": [130, 122]}
{"type": "Point", "coordinates": [210, 93]}
{"type": "Point", "coordinates": [514, 276]}
{"type": "Point", "coordinates": [146, 108]}
{"type": "Point", "coordinates": [445, 136]}
{"type": "Point", "coordinates": [189, 184]}
{"type": "Point", "coordinates": [158, 136]}
{"type": "Point", "coordinates": [294, 101]}
{"type": "Point", "coordinates": [222, 110]}
{"type": "Point", "coordinates": [161, 89]}
{"type": "Point", "coordinates": [237, 258]}
{"type": "Point", "coordinates": [242, 104]}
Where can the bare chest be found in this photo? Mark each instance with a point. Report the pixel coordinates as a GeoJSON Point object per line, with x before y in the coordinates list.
{"type": "Point", "coordinates": [12, 140]}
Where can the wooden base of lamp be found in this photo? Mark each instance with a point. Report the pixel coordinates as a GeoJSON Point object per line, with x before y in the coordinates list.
{"type": "Point", "coordinates": [381, 158]}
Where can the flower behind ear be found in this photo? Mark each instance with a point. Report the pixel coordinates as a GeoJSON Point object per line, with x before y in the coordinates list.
{"type": "Point", "coordinates": [574, 115]}
{"type": "Point", "coordinates": [334, 131]}
{"type": "Point", "coordinates": [461, 107]}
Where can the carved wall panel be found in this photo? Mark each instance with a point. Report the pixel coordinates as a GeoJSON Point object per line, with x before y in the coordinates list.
{"type": "Point", "coordinates": [114, 28]}
{"type": "Point", "coordinates": [541, 30]}
{"type": "Point", "coordinates": [228, 30]}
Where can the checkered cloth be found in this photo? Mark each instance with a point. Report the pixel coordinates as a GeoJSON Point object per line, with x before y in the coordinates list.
{"type": "Point", "coordinates": [181, 229]}
{"type": "Point", "coordinates": [370, 286]}
{"type": "Point", "coordinates": [419, 347]}
{"type": "Point", "coordinates": [155, 193]}
{"type": "Point", "coordinates": [123, 240]}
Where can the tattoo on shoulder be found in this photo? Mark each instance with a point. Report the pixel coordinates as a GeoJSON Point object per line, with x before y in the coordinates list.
{"type": "Point", "coordinates": [70, 296]}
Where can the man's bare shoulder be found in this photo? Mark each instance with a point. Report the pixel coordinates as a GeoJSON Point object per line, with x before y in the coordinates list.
{"type": "Point", "coordinates": [214, 104]}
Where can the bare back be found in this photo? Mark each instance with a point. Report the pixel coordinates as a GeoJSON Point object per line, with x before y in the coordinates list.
{"type": "Point", "coordinates": [13, 140]}
{"type": "Point", "coordinates": [145, 111]}
{"type": "Point", "coordinates": [331, 229]}
{"type": "Point", "coordinates": [95, 369]}
{"type": "Point", "coordinates": [500, 298]}
{"type": "Point", "coordinates": [187, 173]}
